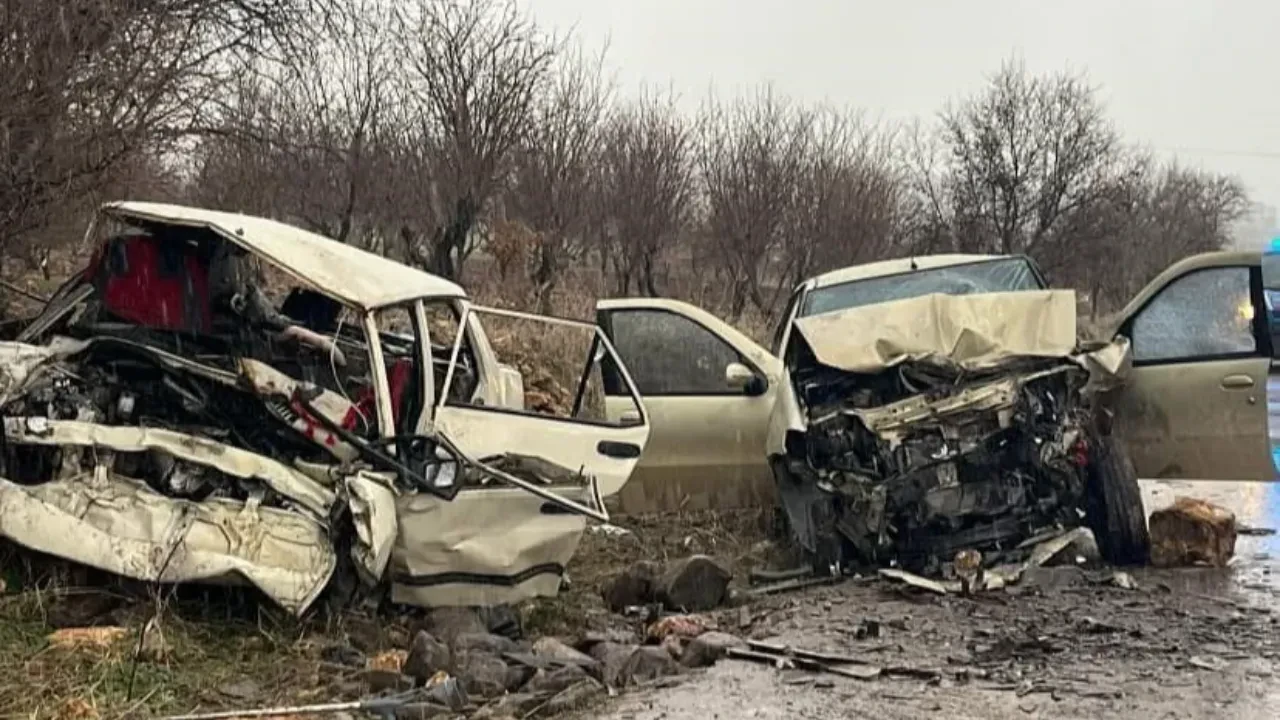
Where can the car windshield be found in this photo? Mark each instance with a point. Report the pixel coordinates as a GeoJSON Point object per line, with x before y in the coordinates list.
{"type": "Point", "coordinates": [1003, 275]}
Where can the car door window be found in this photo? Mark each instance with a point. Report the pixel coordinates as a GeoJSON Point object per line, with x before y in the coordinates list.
{"type": "Point", "coordinates": [1201, 315]}
{"type": "Point", "coordinates": [669, 354]}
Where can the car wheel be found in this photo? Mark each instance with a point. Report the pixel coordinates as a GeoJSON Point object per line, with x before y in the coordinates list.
{"type": "Point", "coordinates": [1113, 506]}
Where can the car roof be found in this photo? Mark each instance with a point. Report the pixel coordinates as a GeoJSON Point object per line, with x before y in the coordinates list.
{"type": "Point", "coordinates": [896, 266]}
{"type": "Point", "coordinates": [343, 272]}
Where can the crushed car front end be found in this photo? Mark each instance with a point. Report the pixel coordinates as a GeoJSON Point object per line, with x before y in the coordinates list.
{"type": "Point", "coordinates": [936, 424]}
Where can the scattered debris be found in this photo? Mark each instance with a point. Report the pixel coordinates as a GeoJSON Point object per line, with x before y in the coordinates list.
{"type": "Point", "coordinates": [683, 626]}
{"type": "Point", "coordinates": [1123, 580]}
{"type": "Point", "coordinates": [98, 638]}
{"type": "Point", "coordinates": [707, 648]}
{"type": "Point", "coordinates": [760, 577]}
{"type": "Point", "coordinates": [917, 581]}
{"type": "Point", "coordinates": [1207, 662]}
{"type": "Point", "coordinates": [1192, 532]}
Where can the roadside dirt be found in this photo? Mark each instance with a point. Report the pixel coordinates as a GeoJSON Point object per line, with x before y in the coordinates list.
{"type": "Point", "coordinates": [1182, 644]}
{"type": "Point", "coordinates": [1170, 649]}
{"type": "Point", "coordinates": [227, 649]}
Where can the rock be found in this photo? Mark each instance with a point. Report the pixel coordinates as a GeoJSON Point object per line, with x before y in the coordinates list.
{"type": "Point", "coordinates": [427, 656]}
{"type": "Point", "coordinates": [518, 674]}
{"type": "Point", "coordinates": [483, 642]}
{"type": "Point", "coordinates": [612, 658]}
{"type": "Point", "coordinates": [574, 698]}
{"type": "Point", "coordinates": [1192, 532]}
{"type": "Point", "coordinates": [367, 634]}
{"type": "Point", "coordinates": [384, 680]}
{"type": "Point", "coordinates": [693, 584]}
{"type": "Point", "coordinates": [501, 620]}
{"type": "Point", "coordinates": [648, 663]}
{"type": "Point", "coordinates": [483, 675]}
{"type": "Point", "coordinates": [448, 623]}
{"type": "Point", "coordinates": [709, 647]}
{"type": "Point", "coordinates": [674, 645]}
{"type": "Point", "coordinates": [240, 690]}
{"type": "Point", "coordinates": [553, 649]}
{"type": "Point", "coordinates": [634, 586]}
{"type": "Point", "coordinates": [342, 654]}
{"type": "Point", "coordinates": [550, 683]}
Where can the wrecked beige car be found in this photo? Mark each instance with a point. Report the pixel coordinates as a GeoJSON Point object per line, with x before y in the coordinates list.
{"type": "Point", "coordinates": [164, 421]}
{"type": "Point", "coordinates": [916, 407]}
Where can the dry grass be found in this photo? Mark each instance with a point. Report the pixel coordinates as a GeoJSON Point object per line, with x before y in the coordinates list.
{"type": "Point", "coordinates": [218, 637]}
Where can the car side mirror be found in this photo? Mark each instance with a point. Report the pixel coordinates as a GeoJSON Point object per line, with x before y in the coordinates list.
{"type": "Point", "coordinates": [740, 377]}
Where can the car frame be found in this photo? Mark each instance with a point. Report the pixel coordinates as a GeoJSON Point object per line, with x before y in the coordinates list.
{"type": "Point", "coordinates": [497, 542]}
{"type": "Point", "coordinates": [1184, 412]}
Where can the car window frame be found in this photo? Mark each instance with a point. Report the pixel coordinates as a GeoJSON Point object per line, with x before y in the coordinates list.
{"type": "Point", "coordinates": [1259, 326]}
{"type": "Point", "coordinates": [606, 323]}
{"type": "Point", "coordinates": [470, 314]}
{"type": "Point", "coordinates": [1026, 259]}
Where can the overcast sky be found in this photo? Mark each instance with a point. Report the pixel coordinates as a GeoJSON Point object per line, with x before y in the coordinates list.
{"type": "Point", "coordinates": [1187, 76]}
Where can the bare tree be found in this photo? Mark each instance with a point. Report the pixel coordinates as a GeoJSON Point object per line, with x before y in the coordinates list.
{"type": "Point", "coordinates": [1161, 214]}
{"type": "Point", "coordinates": [89, 86]}
{"type": "Point", "coordinates": [752, 157]}
{"type": "Point", "coordinates": [475, 68]}
{"type": "Point", "coordinates": [647, 190]}
{"type": "Point", "coordinates": [305, 139]}
{"type": "Point", "coordinates": [848, 200]}
{"type": "Point", "coordinates": [555, 166]}
{"type": "Point", "coordinates": [1023, 156]}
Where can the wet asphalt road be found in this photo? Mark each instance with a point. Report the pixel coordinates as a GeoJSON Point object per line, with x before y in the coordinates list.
{"type": "Point", "coordinates": [1231, 615]}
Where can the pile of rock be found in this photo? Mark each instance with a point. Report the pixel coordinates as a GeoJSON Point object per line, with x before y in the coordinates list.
{"type": "Point", "coordinates": [498, 677]}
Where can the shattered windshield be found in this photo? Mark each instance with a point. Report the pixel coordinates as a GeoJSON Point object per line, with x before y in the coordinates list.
{"type": "Point", "coordinates": [984, 276]}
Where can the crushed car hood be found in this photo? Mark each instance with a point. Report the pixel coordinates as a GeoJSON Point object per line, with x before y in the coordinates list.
{"type": "Point", "coordinates": [974, 332]}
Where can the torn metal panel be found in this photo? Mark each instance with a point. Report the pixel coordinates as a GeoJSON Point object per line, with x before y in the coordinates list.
{"type": "Point", "coordinates": [487, 547]}
{"type": "Point", "coordinates": [271, 384]}
{"type": "Point", "coordinates": [372, 500]}
{"type": "Point", "coordinates": [22, 364]}
{"type": "Point", "coordinates": [971, 332]}
{"type": "Point", "coordinates": [290, 483]}
{"type": "Point", "coordinates": [121, 526]}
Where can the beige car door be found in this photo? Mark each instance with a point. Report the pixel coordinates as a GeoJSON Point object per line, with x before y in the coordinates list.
{"type": "Point", "coordinates": [708, 391]}
{"type": "Point", "coordinates": [1195, 406]}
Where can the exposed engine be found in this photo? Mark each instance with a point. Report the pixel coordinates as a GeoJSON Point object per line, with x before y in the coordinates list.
{"type": "Point", "coordinates": [917, 462]}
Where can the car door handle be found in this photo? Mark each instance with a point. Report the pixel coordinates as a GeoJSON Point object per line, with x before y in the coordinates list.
{"type": "Point", "coordinates": [1237, 382]}
{"type": "Point", "coordinates": [620, 450]}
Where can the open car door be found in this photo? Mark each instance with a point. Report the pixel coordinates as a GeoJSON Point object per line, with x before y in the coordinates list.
{"type": "Point", "coordinates": [709, 391]}
{"type": "Point", "coordinates": [1195, 404]}
{"type": "Point", "coordinates": [495, 543]}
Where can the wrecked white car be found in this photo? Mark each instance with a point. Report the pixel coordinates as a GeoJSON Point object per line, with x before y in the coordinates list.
{"type": "Point", "coordinates": [915, 407]}
{"type": "Point", "coordinates": [165, 422]}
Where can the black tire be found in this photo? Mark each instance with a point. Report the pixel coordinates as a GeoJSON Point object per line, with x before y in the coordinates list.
{"type": "Point", "coordinates": [1113, 507]}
